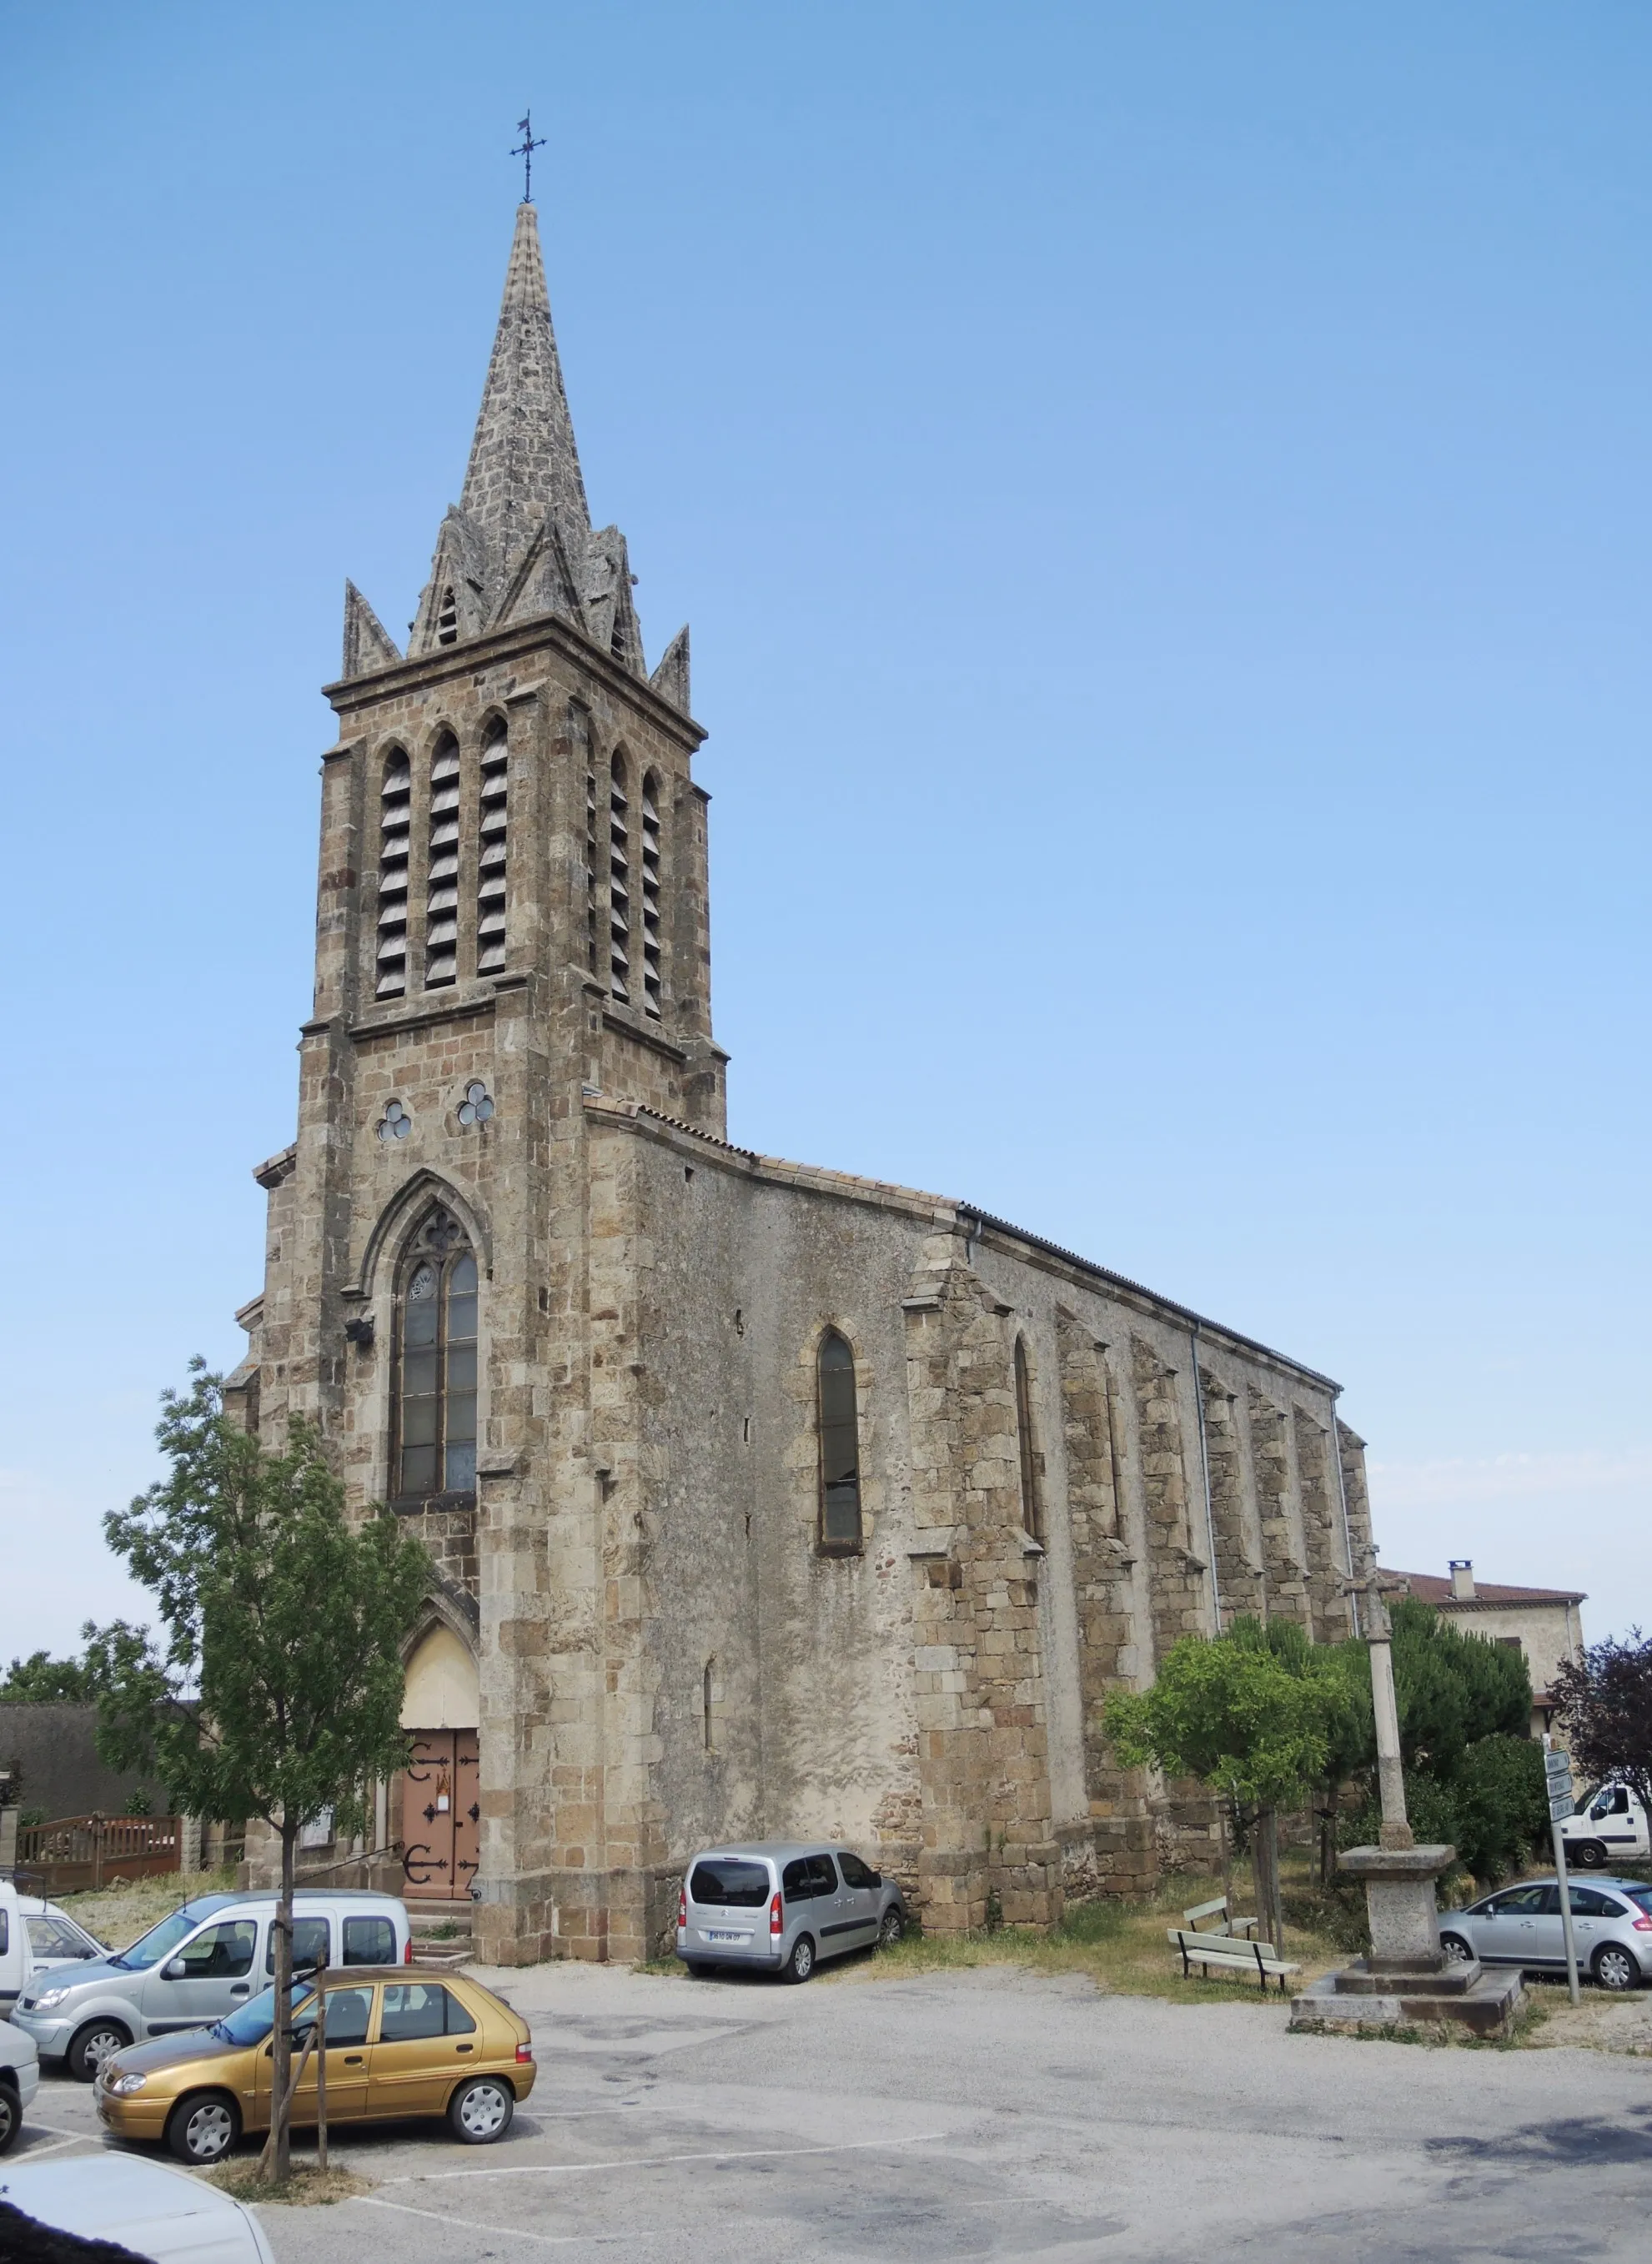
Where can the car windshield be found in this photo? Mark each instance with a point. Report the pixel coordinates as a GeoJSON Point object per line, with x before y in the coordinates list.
{"type": "Point", "coordinates": [251, 2022]}
{"type": "Point", "coordinates": [160, 1941]}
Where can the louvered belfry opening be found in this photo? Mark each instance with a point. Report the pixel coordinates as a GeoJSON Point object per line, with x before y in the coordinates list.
{"type": "Point", "coordinates": [447, 619]}
{"type": "Point", "coordinates": [441, 903]}
{"type": "Point", "coordinates": [491, 829]}
{"type": "Point", "coordinates": [651, 894]}
{"type": "Point", "coordinates": [395, 815]}
{"type": "Point", "coordinates": [618, 882]}
{"type": "Point", "coordinates": [579, 738]}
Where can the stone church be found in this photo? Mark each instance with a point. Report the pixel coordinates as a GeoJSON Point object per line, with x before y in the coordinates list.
{"type": "Point", "coordinates": [763, 1499]}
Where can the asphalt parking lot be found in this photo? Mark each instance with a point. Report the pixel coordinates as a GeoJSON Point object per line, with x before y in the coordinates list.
{"type": "Point", "coordinates": [986, 2113]}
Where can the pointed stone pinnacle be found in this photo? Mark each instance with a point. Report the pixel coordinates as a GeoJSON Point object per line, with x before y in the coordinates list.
{"type": "Point", "coordinates": [522, 461]}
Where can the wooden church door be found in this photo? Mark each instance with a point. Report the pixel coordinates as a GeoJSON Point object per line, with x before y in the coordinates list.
{"type": "Point", "coordinates": [441, 1814]}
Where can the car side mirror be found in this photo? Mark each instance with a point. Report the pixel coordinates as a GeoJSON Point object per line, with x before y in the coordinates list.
{"type": "Point", "coordinates": [177, 1970]}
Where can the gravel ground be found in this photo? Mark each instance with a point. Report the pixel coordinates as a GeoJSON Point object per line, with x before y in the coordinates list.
{"type": "Point", "coordinates": [989, 2114]}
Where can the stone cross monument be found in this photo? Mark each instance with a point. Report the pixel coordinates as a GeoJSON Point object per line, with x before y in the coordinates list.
{"type": "Point", "coordinates": [1408, 1977]}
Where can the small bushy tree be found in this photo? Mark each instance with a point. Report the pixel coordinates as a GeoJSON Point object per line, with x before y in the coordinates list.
{"type": "Point", "coordinates": [1231, 1712]}
{"type": "Point", "coordinates": [275, 1689]}
{"type": "Point", "coordinates": [1605, 1705]}
{"type": "Point", "coordinates": [40, 1680]}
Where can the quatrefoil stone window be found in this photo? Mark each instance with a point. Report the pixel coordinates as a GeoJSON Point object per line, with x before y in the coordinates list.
{"type": "Point", "coordinates": [395, 1123]}
{"type": "Point", "coordinates": [476, 1106]}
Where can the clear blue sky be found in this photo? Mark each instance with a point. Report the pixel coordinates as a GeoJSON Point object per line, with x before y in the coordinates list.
{"type": "Point", "coordinates": [1162, 498]}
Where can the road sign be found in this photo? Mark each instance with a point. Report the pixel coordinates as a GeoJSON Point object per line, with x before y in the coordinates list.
{"type": "Point", "coordinates": [1557, 1765]}
{"type": "Point", "coordinates": [1561, 1806]}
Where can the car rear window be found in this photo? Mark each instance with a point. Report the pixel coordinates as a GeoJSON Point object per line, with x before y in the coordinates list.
{"type": "Point", "coordinates": [369, 1941]}
{"type": "Point", "coordinates": [1641, 1896]}
{"type": "Point", "coordinates": [731, 1880]}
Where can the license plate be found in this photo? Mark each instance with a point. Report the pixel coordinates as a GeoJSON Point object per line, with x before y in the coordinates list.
{"type": "Point", "coordinates": [722, 1934]}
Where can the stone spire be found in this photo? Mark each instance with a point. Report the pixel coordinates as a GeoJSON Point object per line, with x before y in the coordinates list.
{"type": "Point", "coordinates": [524, 464]}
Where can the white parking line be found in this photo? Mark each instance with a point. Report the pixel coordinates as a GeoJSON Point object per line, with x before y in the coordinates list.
{"type": "Point", "coordinates": [663, 2161]}
{"type": "Point", "coordinates": [516, 2231]}
{"type": "Point", "coordinates": [69, 2138]}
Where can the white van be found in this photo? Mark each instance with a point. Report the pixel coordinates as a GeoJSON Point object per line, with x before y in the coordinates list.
{"type": "Point", "coordinates": [198, 1964]}
{"type": "Point", "coordinates": [34, 1936]}
{"type": "Point", "coordinates": [1610, 1827]}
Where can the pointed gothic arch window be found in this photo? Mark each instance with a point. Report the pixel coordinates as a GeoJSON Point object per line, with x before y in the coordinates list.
{"type": "Point", "coordinates": [619, 880]}
{"type": "Point", "coordinates": [441, 902]}
{"type": "Point", "coordinates": [839, 1447]}
{"type": "Point", "coordinates": [395, 817]}
{"type": "Point", "coordinates": [651, 894]}
{"type": "Point", "coordinates": [1032, 1496]}
{"type": "Point", "coordinates": [435, 1443]}
{"type": "Point", "coordinates": [491, 829]}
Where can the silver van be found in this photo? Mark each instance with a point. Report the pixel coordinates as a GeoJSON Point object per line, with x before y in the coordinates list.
{"type": "Point", "coordinates": [782, 1905]}
{"type": "Point", "coordinates": [199, 1964]}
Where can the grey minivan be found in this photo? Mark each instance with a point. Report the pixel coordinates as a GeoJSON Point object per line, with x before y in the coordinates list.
{"type": "Point", "coordinates": [782, 1905]}
{"type": "Point", "coordinates": [196, 1965]}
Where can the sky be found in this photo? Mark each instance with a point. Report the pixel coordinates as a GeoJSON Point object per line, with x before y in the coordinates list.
{"type": "Point", "coordinates": [1162, 496]}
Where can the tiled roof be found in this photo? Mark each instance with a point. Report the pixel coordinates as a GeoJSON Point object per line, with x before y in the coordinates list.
{"type": "Point", "coordinates": [1430, 1588]}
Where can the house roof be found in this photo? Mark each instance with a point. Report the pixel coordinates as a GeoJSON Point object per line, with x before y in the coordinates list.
{"type": "Point", "coordinates": [1431, 1588]}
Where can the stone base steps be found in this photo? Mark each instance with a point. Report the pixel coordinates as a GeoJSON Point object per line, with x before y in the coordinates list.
{"type": "Point", "coordinates": [443, 1933]}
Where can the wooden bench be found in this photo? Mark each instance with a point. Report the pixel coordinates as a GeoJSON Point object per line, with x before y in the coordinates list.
{"type": "Point", "coordinates": [1225, 1923]}
{"type": "Point", "coordinates": [1228, 1954]}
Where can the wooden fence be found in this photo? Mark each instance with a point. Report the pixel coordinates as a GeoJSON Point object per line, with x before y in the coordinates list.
{"type": "Point", "coordinates": [77, 1852]}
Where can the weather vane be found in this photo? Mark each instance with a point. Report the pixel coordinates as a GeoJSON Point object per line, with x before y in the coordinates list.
{"type": "Point", "coordinates": [525, 150]}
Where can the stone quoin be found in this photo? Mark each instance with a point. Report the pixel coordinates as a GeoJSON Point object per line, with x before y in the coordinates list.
{"type": "Point", "coordinates": [764, 1499]}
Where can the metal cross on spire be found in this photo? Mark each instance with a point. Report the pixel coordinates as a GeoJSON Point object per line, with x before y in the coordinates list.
{"type": "Point", "coordinates": [525, 150]}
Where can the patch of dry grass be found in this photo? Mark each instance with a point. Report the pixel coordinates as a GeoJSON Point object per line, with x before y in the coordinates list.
{"type": "Point", "coordinates": [119, 1913]}
{"type": "Point", "coordinates": [305, 2187]}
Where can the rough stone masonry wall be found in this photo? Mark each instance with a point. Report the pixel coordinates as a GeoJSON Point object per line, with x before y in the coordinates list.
{"type": "Point", "coordinates": [1286, 1585]}
{"type": "Point", "coordinates": [1238, 1551]}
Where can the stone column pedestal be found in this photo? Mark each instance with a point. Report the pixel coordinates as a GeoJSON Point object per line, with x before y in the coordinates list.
{"type": "Point", "coordinates": [1407, 1979]}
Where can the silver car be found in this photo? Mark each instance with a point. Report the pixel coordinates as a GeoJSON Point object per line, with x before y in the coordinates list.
{"type": "Point", "coordinates": [782, 1905]}
{"type": "Point", "coordinates": [1611, 1926]}
{"type": "Point", "coordinates": [209, 1956]}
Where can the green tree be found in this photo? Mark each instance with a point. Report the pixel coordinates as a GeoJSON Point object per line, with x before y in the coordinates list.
{"type": "Point", "coordinates": [40, 1680]}
{"type": "Point", "coordinates": [1452, 1689]}
{"type": "Point", "coordinates": [276, 1691]}
{"type": "Point", "coordinates": [1232, 1713]}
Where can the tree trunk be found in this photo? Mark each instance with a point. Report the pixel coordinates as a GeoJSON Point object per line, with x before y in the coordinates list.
{"type": "Point", "coordinates": [1265, 1843]}
{"type": "Point", "coordinates": [1328, 1836]}
{"type": "Point", "coordinates": [277, 2161]}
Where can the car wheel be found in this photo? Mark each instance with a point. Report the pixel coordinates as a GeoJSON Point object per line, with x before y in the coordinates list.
{"type": "Point", "coordinates": [1457, 1950]}
{"type": "Point", "coordinates": [1616, 1968]}
{"type": "Point", "coordinates": [1588, 1855]}
{"type": "Point", "coordinates": [480, 2112]}
{"type": "Point", "coordinates": [10, 2118]}
{"type": "Point", "coordinates": [92, 2047]}
{"type": "Point", "coordinates": [800, 1964]}
{"type": "Point", "coordinates": [892, 1927]}
{"type": "Point", "coordinates": [202, 2130]}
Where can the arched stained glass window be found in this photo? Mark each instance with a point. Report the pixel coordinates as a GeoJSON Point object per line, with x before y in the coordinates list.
{"type": "Point", "coordinates": [1031, 1500]}
{"type": "Point", "coordinates": [436, 1377]}
{"type": "Point", "coordinates": [839, 1447]}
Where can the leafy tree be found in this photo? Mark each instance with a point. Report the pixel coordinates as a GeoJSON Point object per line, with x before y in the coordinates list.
{"type": "Point", "coordinates": [1452, 1689]}
{"type": "Point", "coordinates": [1604, 1701]}
{"type": "Point", "coordinates": [41, 1680]}
{"type": "Point", "coordinates": [277, 1690]}
{"type": "Point", "coordinates": [1231, 1712]}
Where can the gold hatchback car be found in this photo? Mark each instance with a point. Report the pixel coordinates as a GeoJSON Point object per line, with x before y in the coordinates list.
{"type": "Point", "coordinates": [399, 2045]}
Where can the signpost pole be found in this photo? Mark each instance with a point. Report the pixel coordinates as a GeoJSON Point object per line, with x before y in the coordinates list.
{"type": "Point", "coordinates": [1557, 1768]}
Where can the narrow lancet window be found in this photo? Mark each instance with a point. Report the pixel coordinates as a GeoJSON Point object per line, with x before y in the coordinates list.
{"type": "Point", "coordinates": [395, 814]}
{"type": "Point", "coordinates": [491, 830]}
{"type": "Point", "coordinates": [1032, 1501]}
{"type": "Point", "coordinates": [839, 1448]}
{"type": "Point", "coordinates": [447, 619]}
{"type": "Point", "coordinates": [618, 882]}
{"type": "Point", "coordinates": [651, 894]}
{"type": "Point", "coordinates": [436, 1377]}
{"type": "Point", "coordinates": [441, 902]}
